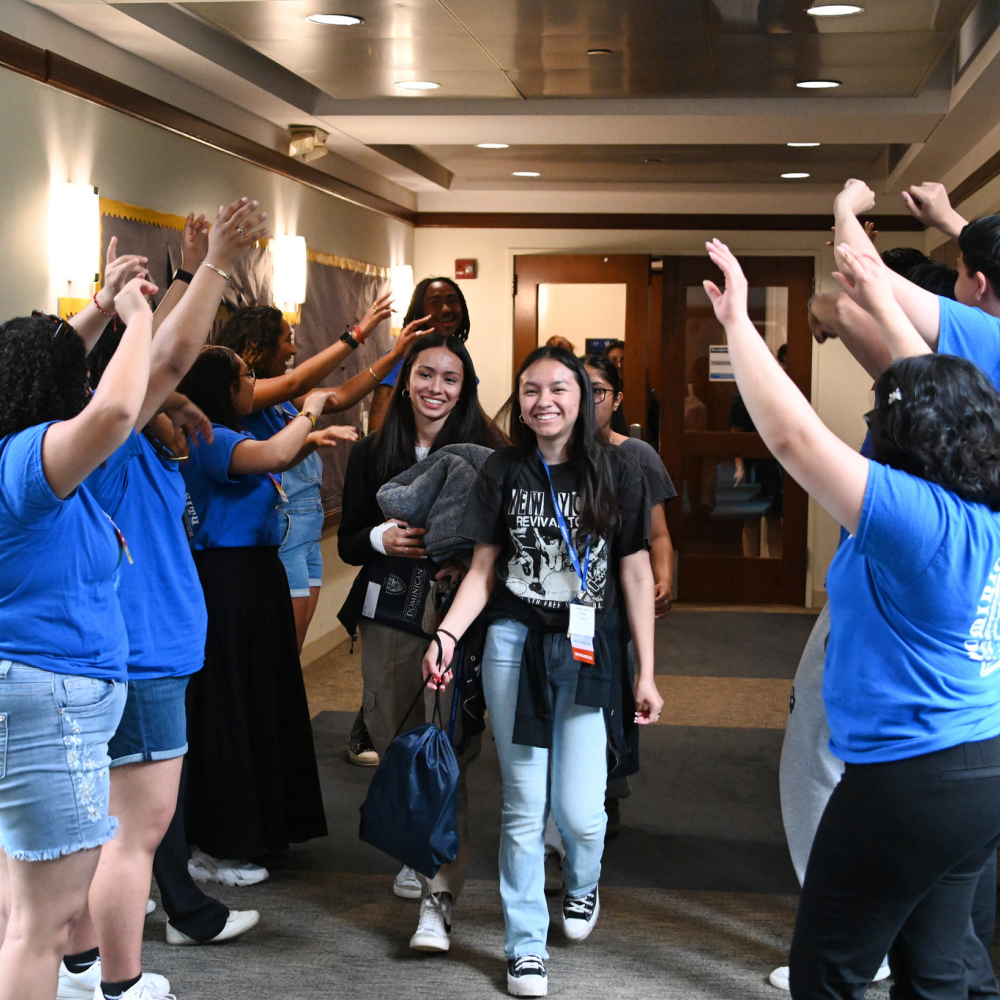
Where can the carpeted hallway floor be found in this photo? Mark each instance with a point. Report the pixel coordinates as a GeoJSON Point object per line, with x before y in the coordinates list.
{"type": "Point", "coordinates": [698, 895]}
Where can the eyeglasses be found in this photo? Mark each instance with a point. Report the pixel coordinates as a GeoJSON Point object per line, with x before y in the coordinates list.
{"type": "Point", "coordinates": [599, 393]}
{"type": "Point", "coordinates": [251, 375]}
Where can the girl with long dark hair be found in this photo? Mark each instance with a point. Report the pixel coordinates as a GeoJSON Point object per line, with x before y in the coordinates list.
{"type": "Point", "coordinates": [911, 682]}
{"type": "Point", "coordinates": [435, 403]}
{"type": "Point", "coordinates": [252, 783]}
{"type": "Point", "coordinates": [560, 524]}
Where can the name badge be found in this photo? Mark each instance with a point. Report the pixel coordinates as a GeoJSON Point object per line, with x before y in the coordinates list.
{"type": "Point", "coordinates": [581, 620]}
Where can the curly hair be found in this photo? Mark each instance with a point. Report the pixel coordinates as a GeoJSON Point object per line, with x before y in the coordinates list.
{"type": "Point", "coordinates": [42, 376]}
{"type": "Point", "coordinates": [253, 333]}
{"type": "Point", "coordinates": [416, 307]}
{"type": "Point", "coordinates": [937, 416]}
{"type": "Point", "coordinates": [209, 385]}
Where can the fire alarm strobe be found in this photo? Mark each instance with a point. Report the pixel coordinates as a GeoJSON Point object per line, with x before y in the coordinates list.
{"type": "Point", "coordinates": [465, 268]}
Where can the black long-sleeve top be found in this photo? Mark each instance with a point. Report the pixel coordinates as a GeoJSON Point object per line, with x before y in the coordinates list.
{"type": "Point", "coordinates": [359, 509]}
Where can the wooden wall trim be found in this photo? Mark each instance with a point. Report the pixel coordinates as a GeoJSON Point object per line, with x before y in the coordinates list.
{"type": "Point", "coordinates": [72, 78]}
{"type": "Point", "coordinates": [648, 220]}
{"type": "Point", "coordinates": [978, 179]}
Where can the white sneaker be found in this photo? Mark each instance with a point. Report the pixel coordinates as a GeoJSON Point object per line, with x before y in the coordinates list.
{"type": "Point", "coordinates": [87, 984]}
{"type": "Point", "coordinates": [579, 914]}
{"type": "Point", "coordinates": [779, 977]}
{"type": "Point", "coordinates": [526, 977]}
{"type": "Point", "coordinates": [149, 987]}
{"type": "Point", "coordinates": [150, 906]}
{"type": "Point", "coordinates": [407, 885]}
{"type": "Point", "coordinates": [433, 931]}
{"type": "Point", "coordinates": [204, 868]}
{"type": "Point", "coordinates": [237, 923]}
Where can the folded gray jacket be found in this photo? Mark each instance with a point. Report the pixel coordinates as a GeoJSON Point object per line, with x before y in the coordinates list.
{"type": "Point", "coordinates": [432, 495]}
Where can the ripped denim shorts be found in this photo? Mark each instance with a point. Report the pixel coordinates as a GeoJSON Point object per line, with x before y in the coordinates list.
{"type": "Point", "coordinates": [54, 779]}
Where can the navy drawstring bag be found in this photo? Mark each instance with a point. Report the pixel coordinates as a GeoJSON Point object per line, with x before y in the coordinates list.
{"type": "Point", "coordinates": [411, 810]}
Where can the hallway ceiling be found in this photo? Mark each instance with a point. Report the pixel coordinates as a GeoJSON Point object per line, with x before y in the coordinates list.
{"type": "Point", "coordinates": [706, 88]}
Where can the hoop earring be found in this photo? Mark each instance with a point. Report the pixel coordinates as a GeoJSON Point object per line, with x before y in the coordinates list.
{"type": "Point", "coordinates": [405, 394]}
{"type": "Point", "coordinates": [520, 417]}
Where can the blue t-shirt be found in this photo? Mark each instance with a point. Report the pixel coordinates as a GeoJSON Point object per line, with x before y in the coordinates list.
{"type": "Point", "coordinates": [58, 606]}
{"type": "Point", "coordinates": [301, 482]}
{"type": "Point", "coordinates": [160, 592]}
{"type": "Point", "coordinates": [391, 378]}
{"type": "Point", "coordinates": [231, 511]}
{"type": "Point", "coordinates": [913, 662]}
{"type": "Point", "coordinates": [970, 333]}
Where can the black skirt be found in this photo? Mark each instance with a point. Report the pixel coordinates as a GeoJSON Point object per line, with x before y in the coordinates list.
{"type": "Point", "coordinates": [252, 785]}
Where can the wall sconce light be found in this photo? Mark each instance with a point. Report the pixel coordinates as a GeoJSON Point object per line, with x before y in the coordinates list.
{"type": "Point", "coordinates": [401, 284]}
{"type": "Point", "coordinates": [306, 142]}
{"type": "Point", "coordinates": [289, 285]}
{"type": "Point", "coordinates": [74, 232]}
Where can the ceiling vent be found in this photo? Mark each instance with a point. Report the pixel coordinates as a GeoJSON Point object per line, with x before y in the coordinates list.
{"type": "Point", "coordinates": [306, 142]}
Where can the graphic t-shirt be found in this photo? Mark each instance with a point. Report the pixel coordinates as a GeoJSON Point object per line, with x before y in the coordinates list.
{"type": "Point", "coordinates": [160, 592]}
{"type": "Point", "coordinates": [970, 333]}
{"type": "Point", "coordinates": [535, 575]}
{"type": "Point", "coordinates": [58, 561]}
{"type": "Point", "coordinates": [301, 482]}
{"type": "Point", "coordinates": [913, 663]}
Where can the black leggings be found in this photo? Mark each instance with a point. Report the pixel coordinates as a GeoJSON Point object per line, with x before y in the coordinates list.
{"type": "Point", "coordinates": [893, 869]}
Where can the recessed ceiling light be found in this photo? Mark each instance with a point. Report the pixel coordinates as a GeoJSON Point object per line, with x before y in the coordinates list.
{"type": "Point", "coordinates": [492, 145]}
{"type": "Point", "coordinates": [801, 145]}
{"type": "Point", "coordinates": [652, 160]}
{"type": "Point", "coordinates": [835, 9]}
{"type": "Point", "coordinates": [345, 20]}
{"type": "Point", "coordinates": [526, 173]}
{"type": "Point", "coordinates": [817, 84]}
{"type": "Point", "coordinates": [599, 52]}
{"type": "Point", "coordinates": [416, 85]}
{"type": "Point", "coordinates": [794, 176]}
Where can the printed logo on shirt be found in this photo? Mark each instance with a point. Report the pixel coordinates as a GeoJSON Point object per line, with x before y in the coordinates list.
{"type": "Point", "coordinates": [540, 571]}
{"type": "Point", "coordinates": [983, 644]}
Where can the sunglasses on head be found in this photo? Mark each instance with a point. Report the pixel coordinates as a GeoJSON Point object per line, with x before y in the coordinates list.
{"type": "Point", "coordinates": [62, 327]}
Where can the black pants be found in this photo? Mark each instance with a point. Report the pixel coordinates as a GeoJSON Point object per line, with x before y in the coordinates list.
{"type": "Point", "coordinates": [894, 869]}
{"type": "Point", "coordinates": [187, 907]}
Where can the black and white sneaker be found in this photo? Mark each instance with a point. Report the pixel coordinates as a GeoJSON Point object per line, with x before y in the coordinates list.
{"type": "Point", "coordinates": [579, 914]}
{"type": "Point", "coordinates": [360, 749]}
{"type": "Point", "coordinates": [526, 977]}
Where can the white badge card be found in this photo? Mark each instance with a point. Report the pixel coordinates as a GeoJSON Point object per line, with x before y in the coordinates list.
{"type": "Point", "coordinates": [581, 620]}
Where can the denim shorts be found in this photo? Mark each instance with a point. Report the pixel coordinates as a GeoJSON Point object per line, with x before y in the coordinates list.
{"type": "Point", "coordinates": [300, 552]}
{"type": "Point", "coordinates": [154, 723]}
{"type": "Point", "coordinates": [54, 783]}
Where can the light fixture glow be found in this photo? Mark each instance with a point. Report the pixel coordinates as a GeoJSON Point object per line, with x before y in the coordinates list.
{"type": "Point", "coordinates": [417, 85]}
{"type": "Point", "coordinates": [801, 145]}
{"type": "Point", "coordinates": [599, 52]}
{"type": "Point", "coordinates": [401, 285]}
{"type": "Point", "coordinates": [526, 173]}
{"type": "Point", "coordinates": [835, 9]}
{"type": "Point", "coordinates": [289, 283]}
{"type": "Point", "coordinates": [74, 232]}
{"type": "Point", "coordinates": [342, 20]}
{"type": "Point", "coordinates": [652, 159]}
{"type": "Point", "coordinates": [794, 176]}
{"type": "Point", "coordinates": [817, 84]}
{"type": "Point", "coordinates": [492, 145]}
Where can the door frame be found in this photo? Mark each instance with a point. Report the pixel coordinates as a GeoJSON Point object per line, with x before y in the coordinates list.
{"type": "Point", "coordinates": [629, 269]}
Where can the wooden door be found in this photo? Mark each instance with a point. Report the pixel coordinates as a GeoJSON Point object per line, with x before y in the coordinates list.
{"type": "Point", "coordinates": [737, 542]}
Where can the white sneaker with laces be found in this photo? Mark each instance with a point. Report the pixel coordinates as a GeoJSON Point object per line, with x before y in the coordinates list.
{"type": "Point", "coordinates": [407, 885]}
{"type": "Point", "coordinates": [579, 915]}
{"type": "Point", "coordinates": [779, 978]}
{"type": "Point", "coordinates": [87, 984]}
{"type": "Point", "coordinates": [148, 988]}
{"type": "Point", "coordinates": [204, 868]}
{"type": "Point", "coordinates": [237, 923]}
{"type": "Point", "coordinates": [150, 906]}
{"type": "Point", "coordinates": [526, 977]}
{"type": "Point", "coordinates": [433, 931]}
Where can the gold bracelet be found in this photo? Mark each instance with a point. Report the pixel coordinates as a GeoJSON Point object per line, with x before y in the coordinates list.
{"type": "Point", "coordinates": [218, 270]}
{"type": "Point", "coordinates": [371, 371]}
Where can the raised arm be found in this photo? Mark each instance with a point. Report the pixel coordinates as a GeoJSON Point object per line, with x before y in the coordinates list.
{"type": "Point", "coordinates": [184, 331]}
{"type": "Point", "coordinates": [73, 448]}
{"type": "Point", "coordinates": [300, 379]}
{"type": "Point", "coordinates": [835, 315]}
{"type": "Point", "coordinates": [929, 203]}
{"type": "Point", "coordinates": [866, 280]}
{"type": "Point", "coordinates": [812, 454]}
{"type": "Point", "coordinates": [194, 247]}
{"type": "Point", "coordinates": [921, 307]}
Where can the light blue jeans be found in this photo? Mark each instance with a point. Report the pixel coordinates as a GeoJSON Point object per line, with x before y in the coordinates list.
{"type": "Point", "coordinates": [579, 772]}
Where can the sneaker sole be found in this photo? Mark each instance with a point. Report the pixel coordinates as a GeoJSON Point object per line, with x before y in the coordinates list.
{"type": "Point", "coordinates": [199, 875]}
{"type": "Point", "coordinates": [520, 988]}
{"type": "Point", "coordinates": [586, 925]}
{"type": "Point", "coordinates": [407, 891]}
{"type": "Point", "coordinates": [367, 759]}
{"type": "Point", "coordinates": [429, 943]}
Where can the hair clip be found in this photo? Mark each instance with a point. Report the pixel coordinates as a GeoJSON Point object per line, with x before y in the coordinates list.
{"type": "Point", "coordinates": [895, 396]}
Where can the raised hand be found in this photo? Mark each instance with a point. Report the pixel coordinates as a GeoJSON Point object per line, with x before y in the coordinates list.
{"type": "Point", "coordinates": [235, 229]}
{"type": "Point", "coordinates": [864, 278]}
{"type": "Point", "coordinates": [117, 272]}
{"type": "Point", "coordinates": [329, 436]}
{"type": "Point", "coordinates": [409, 335]}
{"type": "Point", "coordinates": [131, 302]}
{"type": "Point", "coordinates": [856, 196]}
{"type": "Point", "coordinates": [189, 420]}
{"type": "Point", "coordinates": [731, 304]}
{"type": "Point", "coordinates": [315, 401]}
{"type": "Point", "coordinates": [194, 242]}
{"type": "Point", "coordinates": [378, 311]}
{"type": "Point", "coordinates": [929, 203]}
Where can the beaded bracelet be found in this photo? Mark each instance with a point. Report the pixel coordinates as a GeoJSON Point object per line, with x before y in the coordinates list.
{"type": "Point", "coordinates": [103, 312]}
{"type": "Point", "coordinates": [218, 270]}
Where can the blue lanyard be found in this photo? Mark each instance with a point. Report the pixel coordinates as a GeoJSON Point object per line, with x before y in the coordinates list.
{"type": "Point", "coordinates": [581, 571]}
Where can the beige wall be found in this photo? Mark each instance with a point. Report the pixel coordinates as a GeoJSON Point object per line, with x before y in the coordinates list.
{"type": "Point", "coordinates": [840, 388]}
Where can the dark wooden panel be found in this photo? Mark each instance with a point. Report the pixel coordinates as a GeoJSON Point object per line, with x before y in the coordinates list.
{"type": "Point", "coordinates": [716, 444]}
{"type": "Point", "coordinates": [979, 178]}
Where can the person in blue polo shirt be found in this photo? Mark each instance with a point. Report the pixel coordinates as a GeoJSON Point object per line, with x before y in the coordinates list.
{"type": "Point", "coordinates": [912, 685]}
{"type": "Point", "coordinates": [63, 645]}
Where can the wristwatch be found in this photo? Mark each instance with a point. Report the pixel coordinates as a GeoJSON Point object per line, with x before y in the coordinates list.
{"type": "Point", "coordinates": [348, 338]}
